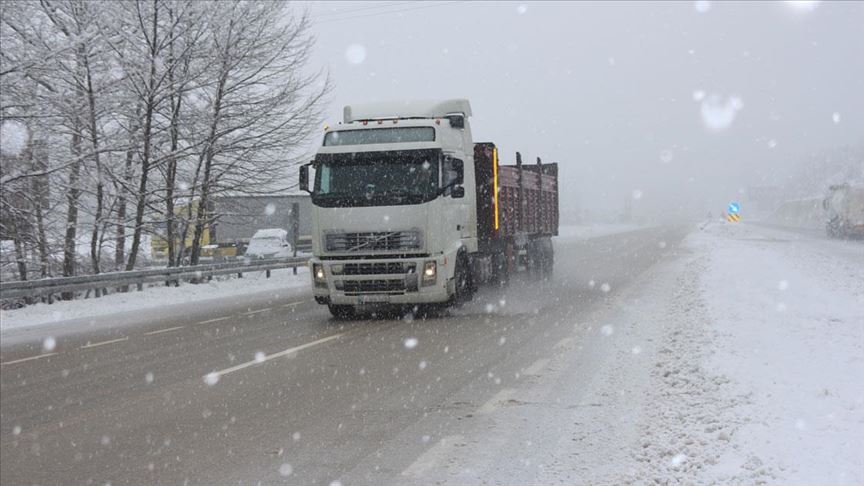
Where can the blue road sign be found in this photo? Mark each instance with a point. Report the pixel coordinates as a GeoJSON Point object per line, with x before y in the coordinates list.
{"type": "Point", "coordinates": [733, 208]}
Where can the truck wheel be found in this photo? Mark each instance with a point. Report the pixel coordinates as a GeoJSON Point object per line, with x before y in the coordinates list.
{"type": "Point", "coordinates": [463, 292]}
{"type": "Point", "coordinates": [342, 311]}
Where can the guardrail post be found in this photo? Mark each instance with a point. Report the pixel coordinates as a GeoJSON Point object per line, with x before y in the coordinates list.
{"type": "Point", "coordinates": [268, 273]}
{"type": "Point", "coordinates": [295, 229]}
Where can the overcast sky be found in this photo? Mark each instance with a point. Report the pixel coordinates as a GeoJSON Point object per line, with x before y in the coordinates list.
{"type": "Point", "coordinates": [676, 106]}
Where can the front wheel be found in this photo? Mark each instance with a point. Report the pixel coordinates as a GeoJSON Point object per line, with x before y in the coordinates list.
{"type": "Point", "coordinates": [342, 311]}
{"type": "Point", "coordinates": [464, 290]}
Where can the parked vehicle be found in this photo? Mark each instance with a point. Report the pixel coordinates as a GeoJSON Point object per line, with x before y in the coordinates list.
{"type": "Point", "coordinates": [408, 210]}
{"type": "Point", "coordinates": [844, 207]}
{"type": "Point", "coordinates": [231, 221]}
{"type": "Point", "coordinates": [269, 243]}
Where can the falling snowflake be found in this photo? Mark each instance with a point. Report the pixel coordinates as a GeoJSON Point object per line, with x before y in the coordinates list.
{"type": "Point", "coordinates": [260, 357]}
{"type": "Point", "coordinates": [835, 117]}
{"type": "Point", "coordinates": [702, 6]}
{"type": "Point", "coordinates": [285, 470]}
{"type": "Point", "coordinates": [803, 5]}
{"type": "Point", "coordinates": [270, 209]}
{"type": "Point", "coordinates": [16, 430]}
{"type": "Point", "coordinates": [666, 156]}
{"type": "Point", "coordinates": [636, 350]}
{"type": "Point", "coordinates": [719, 113]}
{"type": "Point", "coordinates": [355, 54]}
{"type": "Point", "coordinates": [422, 365]}
{"type": "Point", "coordinates": [772, 143]}
{"type": "Point", "coordinates": [13, 138]}
{"type": "Point", "coordinates": [148, 377]}
{"type": "Point", "coordinates": [678, 460]}
{"type": "Point", "coordinates": [522, 8]}
{"type": "Point", "coordinates": [698, 95]}
{"type": "Point", "coordinates": [637, 194]}
{"type": "Point", "coordinates": [295, 436]}
{"type": "Point", "coordinates": [605, 287]}
{"type": "Point", "coordinates": [607, 330]}
{"type": "Point", "coordinates": [410, 343]}
{"type": "Point", "coordinates": [211, 378]}
{"type": "Point", "coordinates": [49, 343]}
{"type": "Point", "coordinates": [782, 285]}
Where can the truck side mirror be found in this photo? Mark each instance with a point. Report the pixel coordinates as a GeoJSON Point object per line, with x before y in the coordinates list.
{"type": "Point", "coordinates": [304, 178]}
{"type": "Point", "coordinates": [459, 170]}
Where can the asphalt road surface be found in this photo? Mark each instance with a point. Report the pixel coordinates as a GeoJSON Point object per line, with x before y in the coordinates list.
{"type": "Point", "coordinates": [270, 389]}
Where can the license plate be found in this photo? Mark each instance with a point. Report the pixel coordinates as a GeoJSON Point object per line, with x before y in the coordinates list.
{"type": "Point", "coordinates": [372, 299]}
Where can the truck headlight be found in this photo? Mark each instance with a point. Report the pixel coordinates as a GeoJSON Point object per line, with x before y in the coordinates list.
{"type": "Point", "coordinates": [318, 275]}
{"type": "Point", "coordinates": [430, 272]}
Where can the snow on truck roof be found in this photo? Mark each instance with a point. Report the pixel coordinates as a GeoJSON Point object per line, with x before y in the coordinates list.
{"type": "Point", "coordinates": [406, 109]}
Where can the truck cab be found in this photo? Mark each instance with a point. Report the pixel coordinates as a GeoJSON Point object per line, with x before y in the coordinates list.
{"type": "Point", "coordinates": [393, 199]}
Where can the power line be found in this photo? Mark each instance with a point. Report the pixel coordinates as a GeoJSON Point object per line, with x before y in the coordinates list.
{"type": "Point", "coordinates": [373, 14]}
{"type": "Point", "coordinates": [368, 7]}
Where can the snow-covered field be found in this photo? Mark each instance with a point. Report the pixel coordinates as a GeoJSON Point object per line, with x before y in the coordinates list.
{"type": "Point", "coordinates": [595, 230]}
{"type": "Point", "coordinates": [740, 362]}
{"type": "Point", "coordinates": [153, 297]}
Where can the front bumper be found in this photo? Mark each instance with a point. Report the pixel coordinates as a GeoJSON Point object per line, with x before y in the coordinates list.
{"type": "Point", "coordinates": [384, 281]}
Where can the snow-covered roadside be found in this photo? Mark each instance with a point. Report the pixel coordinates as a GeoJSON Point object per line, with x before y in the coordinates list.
{"type": "Point", "coordinates": [153, 297]}
{"type": "Point", "coordinates": [786, 326]}
{"type": "Point", "coordinates": [741, 362]}
{"type": "Point", "coordinates": [595, 230]}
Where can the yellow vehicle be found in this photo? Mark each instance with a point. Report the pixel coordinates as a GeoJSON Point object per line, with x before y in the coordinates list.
{"type": "Point", "coordinates": [209, 248]}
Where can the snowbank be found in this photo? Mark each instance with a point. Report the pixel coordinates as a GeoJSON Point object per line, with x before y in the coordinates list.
{"type": "Point", "coordinates": [786, 327]}
{"type": "Point", "coordinates": [152, 297]}
{"type": "Point", "coordinates": [739, 362]}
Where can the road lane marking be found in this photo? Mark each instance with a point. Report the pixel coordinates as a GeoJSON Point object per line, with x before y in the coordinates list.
{"type": "Point", "coordinates": [160, 331]}
{"type": "Point", "coordinates": [496, 401]}
{"type": "Point", "coordinates": [267, 358]}
{"type": "Point", "coordinates": [563, 343]}
{"type": "Point", "coordinates": [433, 456]}
{"type": "Point", "coordinates": [254, 312]}
{"type": "Point", "coordinates": [292, 304]}
{"type": "Point", "coordinates": [209, 321]}
{"type": "Point", "coordinates": [536, 367]}
{"type": "Point", "coordinates": [103, 343]}
{"type": "Point", "coordinates": [31, 358]}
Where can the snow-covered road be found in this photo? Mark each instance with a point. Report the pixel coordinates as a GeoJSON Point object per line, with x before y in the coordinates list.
{"type": "Point", "coordinates": [734, 357]}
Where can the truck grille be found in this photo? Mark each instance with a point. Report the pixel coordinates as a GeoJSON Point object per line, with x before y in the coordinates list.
{"type": "Point", "coordinates": [373, 241]}
{"type": "Point", "coordinates": [374, 286]}
{"type": "Point", "coordinates": [379, 268]}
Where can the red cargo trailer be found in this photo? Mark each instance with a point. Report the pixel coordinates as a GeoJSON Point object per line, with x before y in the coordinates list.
{"type": "Point", "coordinates": [517, 211]}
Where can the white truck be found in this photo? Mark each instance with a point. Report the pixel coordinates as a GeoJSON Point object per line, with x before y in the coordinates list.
{"type": "Point", "coordinates": [844, 208]}
{"type": "Point", "coordinates": [408, 210]}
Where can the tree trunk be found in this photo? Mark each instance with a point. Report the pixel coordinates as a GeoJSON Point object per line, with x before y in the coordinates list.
{"type": "Point", "coordinates": [94, 141]}
{"type": "Point", "coordinates": [146, 140]}
{"type": "Point", "coordinates": [73, 193]}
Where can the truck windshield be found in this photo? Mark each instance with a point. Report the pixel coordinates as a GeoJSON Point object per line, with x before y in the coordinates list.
{"type": "Point", "coordinates": [376, 178]}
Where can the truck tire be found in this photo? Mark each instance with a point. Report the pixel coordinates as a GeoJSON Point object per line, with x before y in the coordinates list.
{"type": "Point", "coordinates": [342, 311]}
{"type": "Point", "coordinates": [463, 291]}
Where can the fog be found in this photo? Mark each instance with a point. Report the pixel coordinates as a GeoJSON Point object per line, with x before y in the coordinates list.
{"type": "Point", "coordinates": [673, 108]}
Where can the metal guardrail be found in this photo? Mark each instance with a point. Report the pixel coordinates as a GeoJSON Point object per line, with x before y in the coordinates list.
{"type": "Point", "coordinates": [49, 286]}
